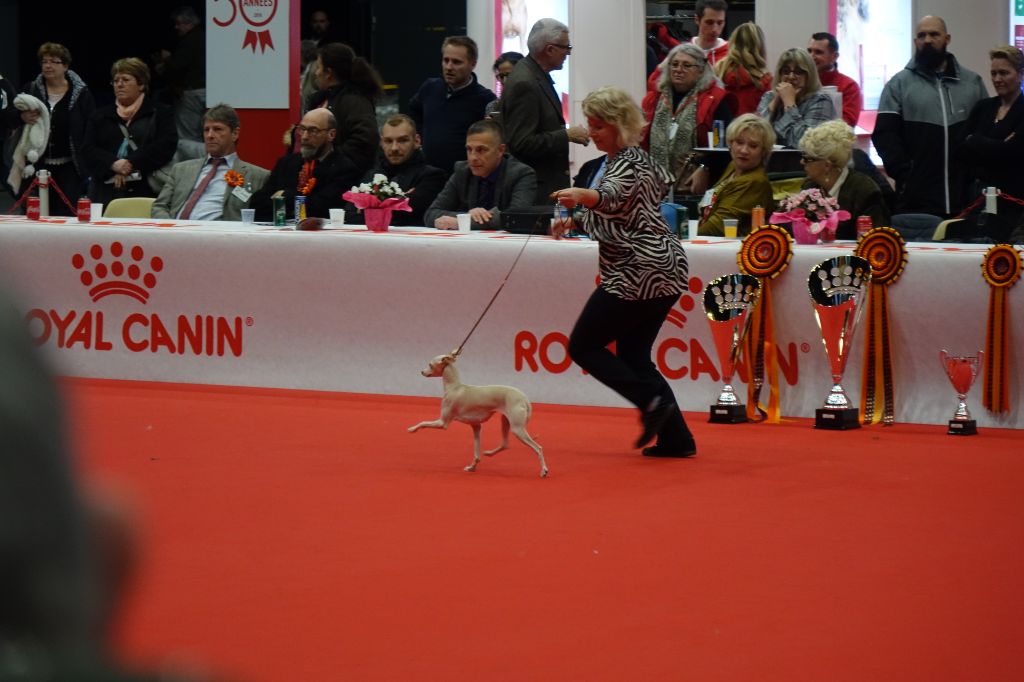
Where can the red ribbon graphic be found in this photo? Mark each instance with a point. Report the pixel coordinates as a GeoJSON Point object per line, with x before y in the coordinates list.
{"type": "Point", "coordinates": [252, 37]}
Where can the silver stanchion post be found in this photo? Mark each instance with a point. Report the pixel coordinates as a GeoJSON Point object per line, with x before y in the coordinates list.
{"type": "Point", "coordinates": [44, 192]}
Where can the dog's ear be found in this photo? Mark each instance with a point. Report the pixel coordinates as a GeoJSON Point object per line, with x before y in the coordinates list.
{"type": "Point", "coordinates": [448, 359]}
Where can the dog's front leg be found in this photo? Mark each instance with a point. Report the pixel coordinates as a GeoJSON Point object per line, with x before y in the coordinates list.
{"type": "Point", "coordinates": [435, 424]}
{"type": "Point", "coordinates": [476, 447]}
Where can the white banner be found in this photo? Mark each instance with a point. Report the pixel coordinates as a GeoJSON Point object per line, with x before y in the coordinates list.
{"type": "Point", "coordinates": [247, 53]}
{"type": "Point", "coordinates": [350, 310]}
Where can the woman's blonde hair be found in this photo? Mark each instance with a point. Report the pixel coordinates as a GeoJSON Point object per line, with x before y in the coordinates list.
{"type": "Point", "coordinates": [801, 59]}
{"type": "Point", "coordinates": [1009, 53]}
{"type": "Point", "coordinates": [832, 140]}
{"type": "Point", "coordinates": [746, 51]}
{"type": "Point", "coordinates": [614, 105]}
{"type": "Point", "coordinates": [761, 128]}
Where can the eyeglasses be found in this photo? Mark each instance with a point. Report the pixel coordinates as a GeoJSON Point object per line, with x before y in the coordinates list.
{"type": "Point", "coordinates": [789, 71]}
{"type": "Point", "coordinates": [311, 130]}
{"type": "Point", "coordinates": [123, 80]}
{"type": "Point", "coordinates": [53, 62]}
{"type": "Point", "coordinates": [567, 47]}
{"type": "Point", "coordinates": [684, 65]}
{"type": "Point", "coordinates": [807, 158]}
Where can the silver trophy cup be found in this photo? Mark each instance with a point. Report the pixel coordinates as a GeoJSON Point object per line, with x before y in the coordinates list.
{"type": "Point", "coordinates": [728, 301]}
{"type": "Point", "coordinates": [837, 286]}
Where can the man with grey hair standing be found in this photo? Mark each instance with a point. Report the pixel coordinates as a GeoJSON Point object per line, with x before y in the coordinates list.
{"type": "Point", "coordinates": [531, 110]}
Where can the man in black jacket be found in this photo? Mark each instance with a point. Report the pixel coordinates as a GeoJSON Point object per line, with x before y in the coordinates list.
{"type": "Point", "coordinates": [445, 107]}
{"type": "Point", "coordinates": [319, 171]}
{"type": "Point", "coordinates": [401, 160]}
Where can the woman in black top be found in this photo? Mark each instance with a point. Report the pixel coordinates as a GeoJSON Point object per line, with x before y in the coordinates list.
{"type": "Point", "coordinates": [131, 140]}
{"type": "Point", "coordinates": [643, 271]}
{"type": "Point", "coordinates": [71, 105]}
{"type": "Point", "coordinates": [993, 145]}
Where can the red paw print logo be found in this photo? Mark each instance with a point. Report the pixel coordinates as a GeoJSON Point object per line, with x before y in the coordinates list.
{"type": "Point", "coordinates": [117, 272]}
{"type": "Point", "coordinates": [686, 303]}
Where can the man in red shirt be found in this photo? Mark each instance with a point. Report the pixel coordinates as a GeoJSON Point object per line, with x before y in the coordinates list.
{"type": "Point", "coordinates": [824, 49]}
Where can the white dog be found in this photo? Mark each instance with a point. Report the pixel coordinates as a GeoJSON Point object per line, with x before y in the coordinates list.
{"type": "Point", "coordinates": [475, 404]}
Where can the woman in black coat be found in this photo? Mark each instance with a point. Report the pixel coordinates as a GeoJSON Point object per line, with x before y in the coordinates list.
{"type": "Point", "coordinates": [128, 143]}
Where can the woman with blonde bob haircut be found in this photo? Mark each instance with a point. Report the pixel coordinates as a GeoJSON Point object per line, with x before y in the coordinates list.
{"type": "Point", "coordinates": [826, 159]}
{"type": "Point", "coordinates": [797, 103]}
{"type": "Point", "coordinates": [744, 184]}
{"type": "Point", "coordinates": [643, 271]}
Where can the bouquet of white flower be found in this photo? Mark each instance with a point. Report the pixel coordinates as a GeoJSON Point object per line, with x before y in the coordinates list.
{"type": "Point", "coordinates": [380, 187]}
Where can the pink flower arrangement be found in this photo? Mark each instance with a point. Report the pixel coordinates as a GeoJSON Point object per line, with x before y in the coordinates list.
{"type": "Point", "coordinates": [813, 215]}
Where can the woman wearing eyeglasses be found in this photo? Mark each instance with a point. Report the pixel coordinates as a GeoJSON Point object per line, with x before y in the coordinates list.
{"type": "Point", "coordinates": [796, 103]}
{"type": "Point", "coordinates": [826, 160]}
{"type": "Point", "coordinates": [128, 143]}
{"type": "Point", "coordinates": [682, 112]}
{"type": "Point", "coordinates": [70, 105]}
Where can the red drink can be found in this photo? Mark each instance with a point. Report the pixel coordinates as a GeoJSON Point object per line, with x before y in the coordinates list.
{"type": "Point", "coordinates": [84, 210]}
{"type": "Point", "coordinates": [32, 211]}
{"type": "Point", "coordinates": [863, 225]}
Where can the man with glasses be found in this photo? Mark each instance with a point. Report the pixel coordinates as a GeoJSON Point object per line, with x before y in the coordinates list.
{"type": "Point", "coordinates": [445, 107]}
{"type": "Point", "coordinates": [318, 171]}
{"type": "Point", "coordinates": [531, 110]}
{"type": "Point", "coordinates": [218, 186]}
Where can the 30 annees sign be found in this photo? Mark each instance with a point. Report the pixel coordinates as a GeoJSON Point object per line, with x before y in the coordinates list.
{"type": "Point", "coordinates": [247, 53]}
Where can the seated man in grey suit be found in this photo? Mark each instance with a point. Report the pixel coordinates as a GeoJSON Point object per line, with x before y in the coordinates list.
{"type": "Point", "coordinates": [488, 182]}
{"type": "Point", "coordinates": [218, 186]}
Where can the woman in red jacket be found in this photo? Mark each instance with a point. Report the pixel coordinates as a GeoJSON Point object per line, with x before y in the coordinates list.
{"type": "Point", "coordinates": [744, 71]}
{"type": "Point", "coordinates": [681, 113]}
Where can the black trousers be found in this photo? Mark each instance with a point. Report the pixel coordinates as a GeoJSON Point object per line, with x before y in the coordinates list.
{"type": "Point", "coordinates": [630, 372]}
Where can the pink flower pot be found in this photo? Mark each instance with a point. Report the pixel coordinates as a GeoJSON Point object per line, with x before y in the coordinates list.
{"type": "Point", "coordinates": [802, 233]}
{"type": "Point", "coordinates": [377, 219]}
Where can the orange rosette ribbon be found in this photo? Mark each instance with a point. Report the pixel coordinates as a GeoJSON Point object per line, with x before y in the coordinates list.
{"type": "Point", "coordinates": [1001, 268]}
{"type": "Point", "coordinates": [885, 250]}
{"type": "Point", "coordinates": [234, 178]}
{"type": "Point", "coordinates": [764, 253]}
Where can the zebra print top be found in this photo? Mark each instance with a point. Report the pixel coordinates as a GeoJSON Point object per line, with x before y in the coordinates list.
{"type": "Point", "coordinates": [639, 258]}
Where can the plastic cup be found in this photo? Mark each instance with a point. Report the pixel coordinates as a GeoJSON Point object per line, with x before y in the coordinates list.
{"type": "Point", "coordinates": [248, 216]}
{"type": "Point", "coordinates": [465, 222]}
{"type": "Point", "coordinates": [337, 216]}
{"type": "Point", "coordinates": [691, 228]}
{"type": "Point", "coordinates": [96, 211]}
{"type": "Point", "coordinates": [731, 228]}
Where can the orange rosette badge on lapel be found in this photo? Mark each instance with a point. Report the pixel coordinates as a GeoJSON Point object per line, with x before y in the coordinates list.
{"type": "Point", "coordinates": [883, 248]}
{"type": "Point", "coordinates": [1001, 268]}
{"type": "Point", "coordinates": [764, 253]}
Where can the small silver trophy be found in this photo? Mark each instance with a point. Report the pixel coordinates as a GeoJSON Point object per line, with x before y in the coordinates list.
{"type": "Point", "coordinates": [728, 301]}
{"type": "Point", "coordinates": [962, 370]}
{"type": "Point", "coordinates": [836, 286]}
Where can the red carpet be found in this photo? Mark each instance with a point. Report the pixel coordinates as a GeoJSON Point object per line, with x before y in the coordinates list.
{"type": "Point", "coordinates": [309, 537]}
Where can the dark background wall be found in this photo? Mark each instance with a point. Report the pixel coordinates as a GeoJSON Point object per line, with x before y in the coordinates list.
{"type": "Point", "coordinates": [402, 38]}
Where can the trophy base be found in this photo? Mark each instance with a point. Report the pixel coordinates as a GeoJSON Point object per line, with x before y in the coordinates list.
{"type": "Point", "coordinates": [728, 414]}
{"type": "Point", "coordinates": [837, 420]}
{"type": "Point", "coordinates": [963, 427]}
